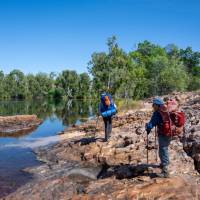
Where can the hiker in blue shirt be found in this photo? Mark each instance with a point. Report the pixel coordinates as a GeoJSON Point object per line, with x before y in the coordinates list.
{"type": "Point", "coordinates": [163, 140]}
{"type": "Point", "coordinates": [107, 109]}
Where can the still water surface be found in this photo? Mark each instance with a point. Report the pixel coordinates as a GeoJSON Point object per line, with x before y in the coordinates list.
{"type": "Point", "coordinates": [16, 152]}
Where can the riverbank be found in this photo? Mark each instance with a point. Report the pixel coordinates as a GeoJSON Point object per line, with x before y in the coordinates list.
{"type": "Point", "coordinates": [18, 125]}
{"type": "Point", "coordinates": [82, 166]}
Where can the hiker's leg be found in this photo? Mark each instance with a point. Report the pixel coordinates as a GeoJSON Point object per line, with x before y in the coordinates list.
{"type": "Point", "coordinates": [105, 119]}
{"type": "Point", "coordinates": [109, 126]}
{"type": "Point", "coordinates": [164, 142]}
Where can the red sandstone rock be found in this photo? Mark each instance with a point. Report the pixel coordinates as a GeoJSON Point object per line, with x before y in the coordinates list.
{"type": "Point", "coordinates": [18, 125]}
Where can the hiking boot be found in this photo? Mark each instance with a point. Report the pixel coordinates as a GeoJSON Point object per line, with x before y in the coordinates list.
{"type": "Point", "coordinates": [164, 173]}
{"type": "Point", "coordinates": [160, 165]}
{"type": "Point", "coordinates": [106, 139]}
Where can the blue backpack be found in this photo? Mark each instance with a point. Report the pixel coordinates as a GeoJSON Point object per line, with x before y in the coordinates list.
{"type": "Point", "coordinates": [107, 107]}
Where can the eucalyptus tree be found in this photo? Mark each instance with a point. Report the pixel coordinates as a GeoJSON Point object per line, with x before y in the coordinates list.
{"type": "Point", "coordinates": [69, 82]}
{"type": "Point", "coordinates": [16, 85]}
{"type": "Point", "coordinates": [2, 92]}
{"type": "Point", "coordinates": [84, 86]}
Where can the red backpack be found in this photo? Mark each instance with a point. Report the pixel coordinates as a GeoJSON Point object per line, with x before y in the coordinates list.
{"type": "Point", "coordinates": [173, 119]}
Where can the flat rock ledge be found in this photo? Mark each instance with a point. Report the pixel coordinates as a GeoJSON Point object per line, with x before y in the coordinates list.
{"type": "Point", "coordinates": [18, 125]}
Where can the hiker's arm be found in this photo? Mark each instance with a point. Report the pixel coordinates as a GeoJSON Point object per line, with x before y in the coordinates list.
{"type": "Point", "coordinates": [155, 120]}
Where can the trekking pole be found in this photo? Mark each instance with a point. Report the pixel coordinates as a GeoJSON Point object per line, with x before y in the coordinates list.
{"type": "Point", "coordinates": [147, 149]}
{"type": "Point", "coordinates": [156, 144]}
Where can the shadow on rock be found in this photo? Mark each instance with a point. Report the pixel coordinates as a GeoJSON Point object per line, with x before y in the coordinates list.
{"type": "Point", "coordinates": [88, 140]}
{"type": "Point", "coordinates": [128, 171]}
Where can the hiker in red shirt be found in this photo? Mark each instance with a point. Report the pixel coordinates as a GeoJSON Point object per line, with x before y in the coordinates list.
{"type": "Point", "coordinates": [164, 141]}
{"type": "Point", "coordinates": [170, 122]}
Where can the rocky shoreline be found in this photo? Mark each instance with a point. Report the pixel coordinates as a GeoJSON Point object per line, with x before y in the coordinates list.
{"type": "Point", "coordinates": [82, 166]}
{"type": "Point", "coordinates": [18, 125]}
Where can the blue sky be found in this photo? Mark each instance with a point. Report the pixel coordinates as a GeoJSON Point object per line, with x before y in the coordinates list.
{"type": "Point", "coordinates": [53, 35]}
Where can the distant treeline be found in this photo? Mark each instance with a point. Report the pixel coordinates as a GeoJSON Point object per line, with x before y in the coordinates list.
{"type": "Point", "coordinates": [16, 85]}
{"type": "Point", "coordinates": [146, 71]}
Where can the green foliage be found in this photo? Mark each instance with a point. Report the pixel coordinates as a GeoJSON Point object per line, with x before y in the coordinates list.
{"type": "Point", "coordinates": [134, 84]}
{"type": "Point", "coordinates": [172, 50]}
{"type": "Point", "coordinates": [2, 92]}
{"type": "Point", "coordinates": [44, 82]}
{"type": "Point", "coordinates": [68, 80]}
{"type": "Point", "coordinates": [146, 71]}
{"type": "Point", "coordinates": [84, 86]}
{"type": "Point", "coordinates": [173, 77]}
{"type": "Point", "coordinates": [56, 93]}
{"type": "Point", "coordinates": [194, 83]}
{"type": "Point", "coordinates": [73, 84]}
{"type": "Point", "coordinates": [15, 85]}
{"type": "Point", "coordinates": [109, 69]}
{"type": "Point", "coordinates": [190, 58]}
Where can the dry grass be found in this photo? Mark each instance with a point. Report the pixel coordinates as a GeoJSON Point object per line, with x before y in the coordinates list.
{"type": "Point", "coordinates": [128, 104]}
